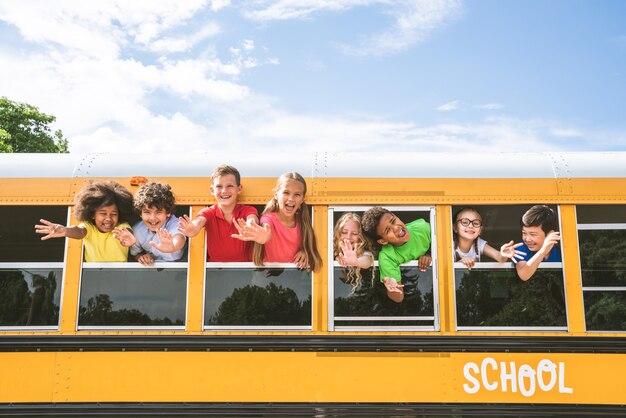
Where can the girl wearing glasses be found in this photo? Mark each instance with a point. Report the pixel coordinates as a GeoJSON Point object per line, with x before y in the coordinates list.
{"type": "Point", "coordinates": [468, 245]}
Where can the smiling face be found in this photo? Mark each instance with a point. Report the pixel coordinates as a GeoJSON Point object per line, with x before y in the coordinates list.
{"type": "Point", "coordinates": [350, 231]}
{"type": "Point", "coordinates": [391, 230]}
{"type": "Point", "coordinates": [154, 218]}
{"type": "Point", "coordinates": [469, 232]}
{"type": "Point", "coordinates": [106, 218]}
{"type": "Point", "coordinates": [225, 190]}
{"type": "Point", "coordinates": [533, 237]}
{"type": "Point", "coordinates": [289, 196]}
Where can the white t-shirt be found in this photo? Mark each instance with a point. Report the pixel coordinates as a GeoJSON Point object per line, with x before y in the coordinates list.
{"type": "Point", "coordinates": [459, 255]}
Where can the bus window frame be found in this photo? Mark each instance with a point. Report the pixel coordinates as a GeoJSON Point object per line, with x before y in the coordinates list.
{"type": "Point", "coordinates": [251, 266]}
{"type": "Point", "coordinates": [596, 227]}
{"type": "Point", "coordinates": [44, 264]}
{"type": "Point", "coordinates": [332, 264]}
{"type": "Point", "coordinates": [506, 266]}
{"type": "Point", "coordinates": [133, 265]}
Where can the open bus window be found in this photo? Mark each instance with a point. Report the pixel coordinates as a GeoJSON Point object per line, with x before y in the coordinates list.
{"type": "Point", "coordinates": [244, 296]}
{"type": "Point", "coordinates": [120, 295]}
{"type": "Point", "coordinates": [492, 296]}
{"type": "Point", "coordinates": [31, 270]}
{"type": "Point", "coordinates": [364, 305]}
{"type": "Point", "coordinates": [602, 246]}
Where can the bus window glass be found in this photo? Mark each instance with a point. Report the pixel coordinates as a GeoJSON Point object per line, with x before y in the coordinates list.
{"type": "Point", "coordinates": [358, 298]}
{"type": "Point", "coordinates": [31, 270]}
{"type": "Point", "coordinates": [491, 295]}
{"type": "Point", "coordinates": [602, 246]}
{"type": "Point", "coordinates": [240, 295]}
{"type": "Point", "coordinates": [117, 295]}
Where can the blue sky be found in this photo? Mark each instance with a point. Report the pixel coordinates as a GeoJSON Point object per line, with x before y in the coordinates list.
{"type": "Point", "coordinates": [320, 75]}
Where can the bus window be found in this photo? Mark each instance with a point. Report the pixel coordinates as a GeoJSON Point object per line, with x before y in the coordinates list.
{"type": "Point", "coordinates": [364, 304]}
{"type": "Point", "coordinates": [492, 296]}
{"type": "Point", "coordinates": [244, 296]}
{"type": "Point", "coordinates": [131, 295]}
{"type": "Point", "coordinates": [31, 270]}
{"type": "Point", "coordinates": [602, 246]}
{"type": "Point", "coordinates": [124, 295]}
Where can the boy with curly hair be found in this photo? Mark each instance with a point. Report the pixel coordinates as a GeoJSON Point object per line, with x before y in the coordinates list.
{"type": "Point", "coordinates": [104, 207]}
{"type": "Point", "coordinates": [156, 236]}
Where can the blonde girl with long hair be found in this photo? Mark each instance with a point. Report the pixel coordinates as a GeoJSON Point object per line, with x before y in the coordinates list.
{"type": "Point", "coordinates": [350, 249]}
{"type": "Point", "coordinates": [285, 233]}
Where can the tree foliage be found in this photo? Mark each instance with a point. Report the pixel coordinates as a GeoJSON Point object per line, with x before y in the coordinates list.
{"type": "Point", "coordinates": [23, 128]}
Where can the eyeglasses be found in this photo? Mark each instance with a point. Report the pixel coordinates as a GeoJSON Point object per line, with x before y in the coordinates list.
{"type": "Point", "coordinates": [476, 223]}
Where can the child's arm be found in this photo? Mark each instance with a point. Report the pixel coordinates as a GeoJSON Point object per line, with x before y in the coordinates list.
{"type": "Point", "coordinates": [52, 230]}
{"type": "Point", "coordinates": [252, 231]}
{"type": "Point", "coordinates": [424, 262]}
{"type": "Point", "coordinates": [390, 272]}
{"type": "Point", "coordinates": [509, 251]}
{"type": "Point", "coordinates": [526, 269]}
{"type": "Point", "coordinates": [348, 256]}
{"type": "Point", "coordinates": [191, 228]}
{"type": "Point", "coordinates": [494, 254]}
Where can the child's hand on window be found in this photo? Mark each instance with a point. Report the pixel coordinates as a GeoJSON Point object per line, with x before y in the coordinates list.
{"type": "Point", "coordinates": [145, 259]}
{"type": "Point", "coordinates": [468, 262]}
{"type": "Point", "coordinates": [301, 260]}
{"type": "Point", "coordinates": [424, 262]}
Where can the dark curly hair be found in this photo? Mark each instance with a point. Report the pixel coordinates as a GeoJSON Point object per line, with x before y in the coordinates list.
{"type": "Point", "coordinates": [98, 193]}
{"type": "Point", "coordinates": [370, 221]}
{"type": "Point", "coordinates": [155, 195]}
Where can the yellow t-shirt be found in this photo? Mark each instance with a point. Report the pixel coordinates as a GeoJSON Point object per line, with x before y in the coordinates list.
{"type": "Point", "coordinates": [103, 247]}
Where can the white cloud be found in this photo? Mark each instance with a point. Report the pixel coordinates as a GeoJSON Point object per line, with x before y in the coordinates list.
{"type": "Point", "coordinates": [566, 132]}
{"type": "Point", "coordinates": [413, 20]}
{"type": "Point", "coordinates": [185, 43]}
{"type": "Point", "coordinates": [447, 107]}
{"type": "Point", "coordinates": [491, 106]}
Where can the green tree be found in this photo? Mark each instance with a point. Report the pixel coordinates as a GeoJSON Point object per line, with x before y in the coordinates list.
{"type": "Point", "coordinates": [23, 128]}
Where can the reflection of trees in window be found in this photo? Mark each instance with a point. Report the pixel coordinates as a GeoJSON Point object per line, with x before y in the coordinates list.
{"type": "Point", "coordinates": [99, 311]}
{"type": "Point", "coordinates": [499, 298]}
{"type": "Point", "coordinates": [269, 305]}
{"type": "Point", "coordinates": [603, 257]}
{"type": "Point", "coordinates": [23, 306]}
{"type": "Point", "coordinates": [370, 299]}
{"type": "Point", "coordinates": [605, 311]}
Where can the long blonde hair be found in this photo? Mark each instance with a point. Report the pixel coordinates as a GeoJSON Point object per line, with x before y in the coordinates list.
{"type": "Point", "coordinates": [308, 244]}
{"type": "Point", "coordinates": [353, 273]}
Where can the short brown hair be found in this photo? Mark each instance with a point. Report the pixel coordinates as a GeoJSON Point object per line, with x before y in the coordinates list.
{"type": "Point", "coordinates": [541, 215]}
{"type": "Point", "coordinates": [223, 170]}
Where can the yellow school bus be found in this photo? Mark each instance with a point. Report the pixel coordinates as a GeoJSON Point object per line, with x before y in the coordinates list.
{"type": "Point", "coordinates": [197, 337]}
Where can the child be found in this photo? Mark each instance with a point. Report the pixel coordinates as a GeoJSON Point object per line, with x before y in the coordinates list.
{"type": "Point", "coordinates": [350, 248]}
{"type": "Point", "coordinates": [156, 236]}
{"type": "Point", "coordinates": [286, 233]}
{"type": "Point", "coordinates": [400, 244]}
{"type": "Point", "coordinates": [219, 220]}
{"type": "Point", "coordinates": [104, 207]}
{"type": "Point", "coordinates": [539, 237]}
{"type": "Point", "coordinates": [468, 245]}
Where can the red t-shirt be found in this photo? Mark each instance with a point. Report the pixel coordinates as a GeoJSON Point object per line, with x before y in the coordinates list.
{"type": "Point", "coordinates": [220, 246]}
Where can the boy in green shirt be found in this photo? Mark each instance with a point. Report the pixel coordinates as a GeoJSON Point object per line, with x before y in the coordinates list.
{"type": "Point", "coordinates": [400, 244]}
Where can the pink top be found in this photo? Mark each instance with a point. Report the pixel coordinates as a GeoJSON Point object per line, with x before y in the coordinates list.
{"type": "Point", "coordinates": [285, 242]}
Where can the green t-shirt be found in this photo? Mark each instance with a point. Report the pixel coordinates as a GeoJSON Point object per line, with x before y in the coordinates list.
{"type": "Point", "coordinates": [390, 257]}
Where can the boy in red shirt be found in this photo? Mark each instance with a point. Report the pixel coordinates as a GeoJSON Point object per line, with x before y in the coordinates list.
{"type": "Point", "coordinates": [218, 219]}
